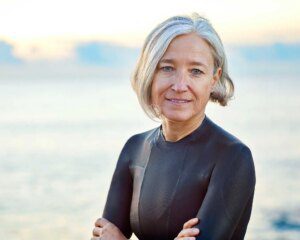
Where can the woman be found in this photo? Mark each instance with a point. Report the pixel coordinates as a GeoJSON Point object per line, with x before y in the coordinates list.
{"type": "Point", "coordinates": [189, 168]}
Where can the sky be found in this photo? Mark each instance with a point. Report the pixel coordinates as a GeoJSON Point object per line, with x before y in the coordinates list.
{"type": "Point", "coordinates": [39, 29]}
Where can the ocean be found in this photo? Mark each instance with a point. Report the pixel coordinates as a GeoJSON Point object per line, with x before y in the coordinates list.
{"type": "Point", "coordinates": [60, 140]}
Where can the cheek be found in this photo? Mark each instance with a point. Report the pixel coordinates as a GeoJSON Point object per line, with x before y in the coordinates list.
{"type": "Point", "coordinates": [157, 90]}
{"type": "Point", "coordinates": [155, 94]}
{"type": "Point", "coordinates": [202, 93]}
{"type": "Point", "coordinates": [206, 90]}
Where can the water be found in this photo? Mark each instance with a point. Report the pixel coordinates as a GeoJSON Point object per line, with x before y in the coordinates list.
{"type": "Point", "coordinates": [60, 139]}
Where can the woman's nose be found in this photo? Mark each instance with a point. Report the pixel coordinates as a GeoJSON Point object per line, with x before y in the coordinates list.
{"type": "Point", "coordinates": [180, 83]}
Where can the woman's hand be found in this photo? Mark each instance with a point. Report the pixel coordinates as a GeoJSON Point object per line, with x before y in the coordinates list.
{"type": "Point", "coordinates": [188, 232]}
{"type": "Point", "coordinates": [105, 230]}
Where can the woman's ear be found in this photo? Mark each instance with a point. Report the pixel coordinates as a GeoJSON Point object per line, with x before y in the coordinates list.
{"type": "Point", "coordinates": [216, 76]}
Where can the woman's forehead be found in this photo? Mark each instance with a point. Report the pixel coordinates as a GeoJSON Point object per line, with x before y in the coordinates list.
{"type": "Point", "coordinates": [190, 48]}
{"type": "Point", "coordinates": [190, 39]}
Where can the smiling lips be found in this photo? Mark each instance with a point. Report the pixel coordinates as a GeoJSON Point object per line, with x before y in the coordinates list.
{"type": "Point", "coordinates": [178, 100]}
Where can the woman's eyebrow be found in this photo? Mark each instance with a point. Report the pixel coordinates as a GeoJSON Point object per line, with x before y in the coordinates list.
{"type": "Point", "coordinates": [197, 63]}
{"type": "Point", "coordinates": [169, 60]}
{"type": "Point", "coordinates": [166, 60]}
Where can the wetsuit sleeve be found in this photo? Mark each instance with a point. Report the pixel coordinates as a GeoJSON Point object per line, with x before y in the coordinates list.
{"type": "Point", "coordinates": [229, 196]}
{"type": "Point", "coordinates": [117, 207]}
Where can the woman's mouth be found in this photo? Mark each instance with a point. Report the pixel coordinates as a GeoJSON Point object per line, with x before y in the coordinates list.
{"type": "Point", "coordinates": [178, 100]}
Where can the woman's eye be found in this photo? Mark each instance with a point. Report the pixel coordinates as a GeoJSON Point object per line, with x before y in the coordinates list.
{"type": "Point", "coordinates": [167, 68]}
{"type": "Point", "coordinates": [196, 71]}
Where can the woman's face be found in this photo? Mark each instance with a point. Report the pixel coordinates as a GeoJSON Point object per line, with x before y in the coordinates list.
{"type": "Point", "coordinates": [183, 79]}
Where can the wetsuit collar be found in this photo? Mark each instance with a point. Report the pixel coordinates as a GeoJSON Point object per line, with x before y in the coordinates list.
{"type": "Point", "coordinates": [193, 136]}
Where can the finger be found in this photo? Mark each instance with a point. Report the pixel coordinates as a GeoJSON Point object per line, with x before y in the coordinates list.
{"type": "Point", "coordinates": [190, 223]}
{"type": "Point", "coordinates": [97, 232]}
{"type": "Point", "coordinates": [100, 222]}
{"type": "Point", "coordinates": [190, 232]}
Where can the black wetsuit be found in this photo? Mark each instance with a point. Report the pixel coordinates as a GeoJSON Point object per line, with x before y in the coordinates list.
{"type": "Point", "coordinates": [158, 185]}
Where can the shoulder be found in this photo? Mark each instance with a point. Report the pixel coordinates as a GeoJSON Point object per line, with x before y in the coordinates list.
{"type": "Point", "coordinates": [140, 140]}
{"type": "Point", "coordinates": [143, 137]}
{"type": "Point", "coordinates": [221, 136]}
{"type": "Point", "coordinates": [136, 145]}
{"type": "Point", "coordinates": [226, 141]}
{"type": "Point", "coordinates": [230, 147]}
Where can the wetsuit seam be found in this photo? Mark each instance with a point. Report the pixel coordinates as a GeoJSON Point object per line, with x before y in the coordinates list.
{"type": "Point", "coordinates": [139, 200]}
{"type": "Point", "coordinates": [174, 193]}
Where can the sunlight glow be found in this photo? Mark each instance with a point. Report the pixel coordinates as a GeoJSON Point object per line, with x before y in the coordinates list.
{"type": "Point", "coordinates": [50, 28]}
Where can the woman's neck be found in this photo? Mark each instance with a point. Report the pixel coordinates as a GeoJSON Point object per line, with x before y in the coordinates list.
{"type": "Point", "coordinates": [174, 131]}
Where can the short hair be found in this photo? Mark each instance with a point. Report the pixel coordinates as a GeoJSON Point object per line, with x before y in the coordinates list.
{"type": "Point", "coordinates": [157, 43]}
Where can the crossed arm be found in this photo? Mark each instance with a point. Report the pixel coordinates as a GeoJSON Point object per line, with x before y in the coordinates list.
{"type": "Point", "coordinates": [227, 201]}
{"type": "Point", "coordinates": [108, 231]}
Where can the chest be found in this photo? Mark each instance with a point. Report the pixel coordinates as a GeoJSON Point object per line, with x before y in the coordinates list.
{"type": "Point", "coordinates": [169, 188]}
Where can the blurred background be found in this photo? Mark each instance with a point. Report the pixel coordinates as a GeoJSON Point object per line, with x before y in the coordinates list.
{"type": "Point", "coordinates": [67, 108]}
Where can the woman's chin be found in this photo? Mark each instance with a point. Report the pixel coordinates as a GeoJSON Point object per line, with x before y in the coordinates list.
{"type": "Point", "coordinates": [176, 117]}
